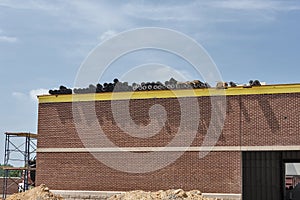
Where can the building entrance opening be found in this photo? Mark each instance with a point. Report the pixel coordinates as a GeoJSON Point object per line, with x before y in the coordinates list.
{"type": "Point", "coordinates": [263, 173]}
{"type": "Point", "coordinates": [292, 180]}
{"type": "Point", "coordinates": [271, 175]}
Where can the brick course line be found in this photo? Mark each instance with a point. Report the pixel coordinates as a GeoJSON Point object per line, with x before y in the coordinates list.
{"type": "Point", "coordinates": [170, 149]}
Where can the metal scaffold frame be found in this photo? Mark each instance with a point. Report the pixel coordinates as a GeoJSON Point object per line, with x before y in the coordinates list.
{"type": "Point", "coordinates": [23, 153]}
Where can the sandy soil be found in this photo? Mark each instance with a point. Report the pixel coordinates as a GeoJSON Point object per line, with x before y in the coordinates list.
{"type": "Point", "coordinates": [178, 194]}
{"type": "Point", "coordinates": [42, 193]}
{"type": "Point", "coordinates": [38, 193]}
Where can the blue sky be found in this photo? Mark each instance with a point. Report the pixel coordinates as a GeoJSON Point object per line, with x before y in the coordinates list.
{"type": "Point", "coordinates": [43, 43]}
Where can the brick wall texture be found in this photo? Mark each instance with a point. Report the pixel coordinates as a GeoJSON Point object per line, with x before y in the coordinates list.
{"type": "Point", "coordinates": [251, 120]}
{"type": "Point", "coordinates": [12, 184]}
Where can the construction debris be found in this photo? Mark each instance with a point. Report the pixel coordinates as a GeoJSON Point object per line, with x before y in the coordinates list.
{"type": "Point", "coordinates": [38, 193]}
{"type": "Point", "coordinates": [178, 194]}
{"type": "Point", "coordinates": [42, 193]}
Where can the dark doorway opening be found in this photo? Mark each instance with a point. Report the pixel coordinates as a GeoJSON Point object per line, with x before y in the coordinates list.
{"type": "Point", "coordinates": [292, 180]}
{"type": "Point", "coordinates": [264, 174]}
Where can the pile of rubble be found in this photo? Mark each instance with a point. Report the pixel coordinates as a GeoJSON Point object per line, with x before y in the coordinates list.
{"type": "Point", "coordinates": [42, 193]}
{"type": "Point", "coordinates": [178, 194]}
{"type": "Point", "coordinates": [38, 193]}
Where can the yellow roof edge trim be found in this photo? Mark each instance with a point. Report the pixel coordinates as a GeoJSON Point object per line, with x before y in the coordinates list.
{"type": "Point", "coordinates": [265, 89]}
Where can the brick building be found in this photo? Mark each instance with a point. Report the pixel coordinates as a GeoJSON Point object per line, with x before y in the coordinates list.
{"type": "Point", "coordinates": [12, 185]}
{"type": "Point", "coordinates": [260, 134]}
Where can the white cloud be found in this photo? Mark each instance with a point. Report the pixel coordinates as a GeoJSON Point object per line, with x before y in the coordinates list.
{"type": "Point", "coordinates": [155, 72]}
{"type": "Point", "coordinates": [163, 12]}
{"type": "Point", "coordinates": [8, 39]}
{"type": "Point", "coordinates": [19, 95]}
{"type": "Point", "coordinates": [191, 17]}
{"type": "Point", "coordinates": [107, 15]}
{"type": "Point", "coordinates": [107, 34]}
{"type": "Point", "coordinates": [34, 93]}
{"type": "Point", "coordinates": [79, 14]}
{"type": "Point", "coordinates": [94, 15]}
{"type": "Point", "coordinates": [206, 12]}
{"type": "Point", "coordinates": [30, 4]}
{"type": "Point", "coordinates": [256, 5]}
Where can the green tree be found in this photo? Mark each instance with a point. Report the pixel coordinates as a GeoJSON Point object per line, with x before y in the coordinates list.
{"type": "Point", "coordinates": [12, 173]}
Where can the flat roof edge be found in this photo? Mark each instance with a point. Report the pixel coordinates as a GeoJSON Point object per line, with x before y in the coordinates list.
{"type": "Point", "coordinates": [231, 91]}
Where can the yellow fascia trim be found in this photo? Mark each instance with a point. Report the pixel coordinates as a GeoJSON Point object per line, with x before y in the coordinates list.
{"type": "Point", "coordinates": [266, 89]}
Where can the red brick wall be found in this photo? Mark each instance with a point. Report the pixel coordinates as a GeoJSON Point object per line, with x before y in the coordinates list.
{"type": "Point", "coordinates": [218, 172]}
{"type": "Point", "coordinates": [12, 186]}
{"type": "Point", "coordinates": [270, 119]}
{"type": "Point", "coordinates": [57, 128]}
{"type": "Point", "coordinates": [250, 120]}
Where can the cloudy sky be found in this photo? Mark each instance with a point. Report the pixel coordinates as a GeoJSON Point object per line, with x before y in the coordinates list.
{"type": "Point", "coordinates": [43, 43]}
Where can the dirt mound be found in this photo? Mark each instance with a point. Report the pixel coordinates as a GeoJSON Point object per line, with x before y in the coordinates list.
{"type": "Point", "coordinates": [38, 193]}
{"type": "Point", "coordinates": [178, 194]}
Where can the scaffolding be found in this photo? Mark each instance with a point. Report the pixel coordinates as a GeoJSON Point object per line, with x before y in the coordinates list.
{"type": "Point", "coordinates": [19, 147]}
